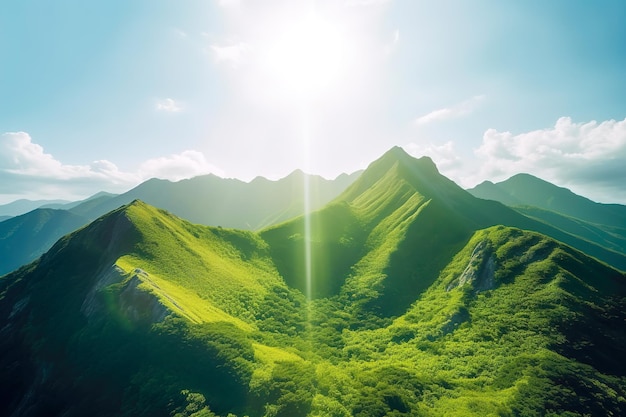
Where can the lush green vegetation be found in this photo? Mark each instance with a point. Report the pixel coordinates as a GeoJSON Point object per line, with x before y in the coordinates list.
{"type": "Point", "coordinates": [417, 308]}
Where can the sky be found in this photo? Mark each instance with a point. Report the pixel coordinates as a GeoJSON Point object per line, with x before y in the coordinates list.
{"type": "Point", "coordinates": [102, 95]}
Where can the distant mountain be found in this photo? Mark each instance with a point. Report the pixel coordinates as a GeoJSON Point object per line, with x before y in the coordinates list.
{"type": "Point", "coordinates": [208, 200]}
{"type": "Point", "coordinates": [212, 200]}
{"type": "Point", "coordinates": [395, 228]}
{"type": "Point", "coordinates": [141, 313]}
{"type": "Point", "coordinates": [24, 238]}
{"type": "Point", "coordinates": [22, 206]}
{"type": "Point", "coordinates": [527, 190]}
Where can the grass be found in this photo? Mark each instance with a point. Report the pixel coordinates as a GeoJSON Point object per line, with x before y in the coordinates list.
{"type": "Point", "coordinates": [416, 312]}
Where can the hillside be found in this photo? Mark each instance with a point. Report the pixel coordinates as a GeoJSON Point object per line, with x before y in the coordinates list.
{"type": "Point", "coordinates": [417, 302]}
{"type": "Point", "coordinates": [26, 237]}
{"type": "Point", "coordinates": [391, 232]}
{"type": "Point", "coordinates": [206, 200]}
{"type": "Point", "coordinates": [142, 313]}
{"type": "Point", "coordinates": [228, 202]}
{"type": "Point", "coordinates": [527, 190]}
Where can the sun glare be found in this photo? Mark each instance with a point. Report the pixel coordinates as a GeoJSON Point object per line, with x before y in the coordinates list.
{"type": "Point", "coordinates": [308, 57]}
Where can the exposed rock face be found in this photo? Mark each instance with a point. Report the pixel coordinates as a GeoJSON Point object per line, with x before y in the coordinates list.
{"type": "Point", "coordinates": [137, 305]}
{"type": "Point", "coordinates": [480, 269]}
{"type": "Point", "coordinates": [93, 303]}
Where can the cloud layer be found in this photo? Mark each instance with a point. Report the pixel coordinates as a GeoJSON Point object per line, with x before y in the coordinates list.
{"type": "Point", "coordinates": [589, 157]}
{"type": "Point", "coordinates": [26, 171]}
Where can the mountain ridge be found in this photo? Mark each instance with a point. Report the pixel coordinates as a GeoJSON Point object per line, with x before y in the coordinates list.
{"type": "Point", "coordinates": [526, 189]}
{"type": "Point", "coordinates": [421, 303]}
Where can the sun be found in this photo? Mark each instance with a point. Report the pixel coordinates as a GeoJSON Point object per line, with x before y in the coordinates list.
{"type": "Point", "coordinates": [308, 57]}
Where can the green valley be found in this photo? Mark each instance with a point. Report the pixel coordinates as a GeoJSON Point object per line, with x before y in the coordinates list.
{"type": "Point", "coordinates": [405, 295]}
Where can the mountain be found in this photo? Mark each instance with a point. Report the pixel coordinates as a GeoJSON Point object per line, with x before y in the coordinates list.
{"type": "Point", "coordinates": [22, 206]}
{"type": "Point", "coordinates": [227, 202]}
{"type": "Point", "coordinates": [527, 190]}
{"type": "Point", "coordinates": [24, 238]}
{"type": "Point", "coordinates": [395, 228]}
{"type": "Point", "coordinates": [414, 305]}
{"type": "Point", "coordinates": [206, 200]}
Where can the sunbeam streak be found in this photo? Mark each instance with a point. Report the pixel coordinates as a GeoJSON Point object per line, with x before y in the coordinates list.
{"type": "Point", "coordinates": [306, 152]}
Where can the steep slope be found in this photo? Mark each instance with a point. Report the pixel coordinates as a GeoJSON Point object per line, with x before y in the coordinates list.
{"type": "Point", "coordinates": [610, 237]}
{"type": "Point", "coordinates": [212, 200]}
{"type": "Point", "coordinates": [517, 324]}
{"type": "Point", "coordinates": [527, 190]}
{"type": "Point", "coordinates": [206, 200]}
{"type": "Point", "coordinates": [26, 237]}
{"type": "Point", "coordinates": [123, 315]}
{"type": "Point", "coordinates": [142, 313]}
{"type": "Point", "coordinates": [385, 239]}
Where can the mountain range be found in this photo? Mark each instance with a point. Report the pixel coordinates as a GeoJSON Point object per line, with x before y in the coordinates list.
{"type": "Point", "coordinates": [404, 295]}
{"type": "Point", "coordinates": [208, 200]}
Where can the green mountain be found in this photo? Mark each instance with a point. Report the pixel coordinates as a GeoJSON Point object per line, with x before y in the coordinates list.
{"type": "Point", "coordinates": [228, 202]}
{"type": "Point", "coordinates": [414, 307]}
{"type": "Point", "coordinates": [527, 190]}
{"type": "Point", "coordinates": [206, 200]}
{"type": "Point", "coordinates": [602, 224]}
{"type": "Point", "coordinates": [393, 230]}
{"type": "Point", "coordinates": [26, 237]}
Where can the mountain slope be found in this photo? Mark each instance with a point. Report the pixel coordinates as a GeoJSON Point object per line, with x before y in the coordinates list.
{"type": "Point", "coordinates": [136, 288]}
{"type": "Point", "coordinates": [142, 313]}
{"type": "Point", "coordinates": [527, 190]}
{"type": "Point", "coordinates": [24, 238]}
{"type": "Point", "coordinates": [206, 200]}
{"type": "Point", "coordinates": [217, 201]}
{"type": "Point", "coordinates": [391, 232]}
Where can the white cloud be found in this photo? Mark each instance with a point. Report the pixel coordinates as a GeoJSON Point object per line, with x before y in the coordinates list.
{"type": "Point", "coordinates": [458, 110]}
{"type": "Point", "coordinates": [444, 156]}
{"type": "Point", "coordinates": [589, 157]}
{"type": "Point", "coordinates": [168, 105]}
{"type": "Point", "coordinates": [230, 54]}
{"type": "Point", "coordinates": [26, 171]}
{"type": "Point", "coordinates": [179, 166]}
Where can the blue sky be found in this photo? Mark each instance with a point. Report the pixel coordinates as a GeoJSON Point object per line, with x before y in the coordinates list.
{"type": "Point", "coordinates": [103, 95]}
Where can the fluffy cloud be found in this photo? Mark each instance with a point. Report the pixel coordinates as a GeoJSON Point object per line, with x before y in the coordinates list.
{"type": "Point", "coordinates": [230, 54]}
{"type": "Point", "coordinates": [444, 156]}
{"type": "Point", "coordinates": [26, 171]}
{"type": "Point", "coordinates": [177, 167]}
{"type": "Point", "coordinates": [588, 157]}
{"type": "Point", "coordinates": [168, 105]}
{"type": "Point", "coordinates": [458, 110]}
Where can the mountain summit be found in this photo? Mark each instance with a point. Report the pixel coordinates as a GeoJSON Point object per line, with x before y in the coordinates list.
{"type": "Point", "coordinates": [420, 301]}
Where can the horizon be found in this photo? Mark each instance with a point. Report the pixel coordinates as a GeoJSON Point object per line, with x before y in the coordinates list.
{"type": "Point", "coordinates": [294, 172]}
{"type": "Point", "coordinates": [241, 89]}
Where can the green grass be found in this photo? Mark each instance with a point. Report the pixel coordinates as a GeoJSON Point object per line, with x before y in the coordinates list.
{"type": "Point", "coordinates": [417, 310]}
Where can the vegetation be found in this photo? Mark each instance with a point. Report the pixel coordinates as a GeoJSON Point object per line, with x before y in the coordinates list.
{"type": "Point", "coordinates": [419, 306]}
